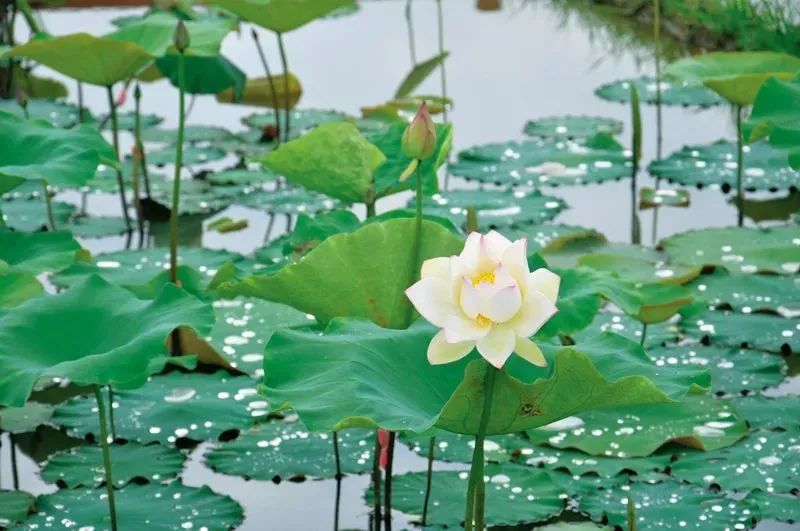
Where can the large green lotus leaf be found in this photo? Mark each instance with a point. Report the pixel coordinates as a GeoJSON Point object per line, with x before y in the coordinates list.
{"type": "Point", "coordinates": [26, 418]}
{"type": "Point", "coordinates": [192, 134]}
{"type": "Point", "coordinates": [132, 268]}
{"type": "Point", "coordinates": [750, 293]}
{"type": "Point", "coordinates": [281, 16]}
{"type": "Point", "coordinates": [83, 466]}
{"type": "Point", "coordinates": [57, 112]}
{"type": "Point", "coordinates": [626, 326]}
{"type": "Point", "coordinates": [769, 413]}
{"type": "Point", "coordinates": [543, 162]}
{"type": "Point", "coordinates": [668, 505]}
{"type": "Point", "coordinates": [572, 127]}
{"type": "Point", "coordinates": [514, 495]}
{"type": "Point", "coordinates": [765, 167]}
{"type": "Point", "coordinates": [39, 252]}
{"type": "Point", "coordinates": [636, 431]}
{"type": "Point", "coordinates": [768, 460]}
{"type": "Point", "coordinates": [371, 376]}
{"type": "Point", "coordinates": [334, 159]}
{"type": "Point", "coordinates": [739, 250]}
{"type": "Point", "coordinates": [775, 115]}
{"type": "Point", "coordinates": [290, 201]}
{"type": "Point", "coordinates": [452, 447]}
{"type": "Point", "coordinates": [360, 274]}
{"type": "Point", "coordinates": [76, 335]}
{"type": "Point", "coordinates": [241, 177]}
{"type": "Point", "coordinates": [192, 155]}
{"type": "Point", "coordinates": [16, 287]}
{"type": "Point", "coordinates": [759, 331]}
{"type": "Point", "coordinates": [175, 406]}
{"type": "Point", "coordinates": [155, 33]}
{"type": "Point", "coordinates": [733, 371]}
{"type": "Point", "coordinates": [152, 507]}
{"type": "Point", "coordinates": [673, 92]}
{"type": "Point", "coordinates": [14, 506]}
{"type": "Point", "coordinates": [736, 76]}
{"type": "Point", "coordinates": [243, 327]}
{"type": "Point", "coordinates": [301, 120]}
{"type": "Point", "coordinates": [203, 74]}
{"type": "Point", "coordinates": [94, 60]}
{"type": "Point", "coordinates": [776, 507]}
{"type": "Point", "coordinates": [639, 270]}
{"type": "Point", "coordinates": [494, 208]}
{"type": "Point", "coordinates": [37, 150]}
{"type": "Point", "coordinates": [389, 140]}
{"type": "Point", "coordinates": [287, 451]}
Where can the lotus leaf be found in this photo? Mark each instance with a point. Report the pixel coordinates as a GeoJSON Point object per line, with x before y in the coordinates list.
{"type": "Point", "coordinates": [572, 127]}
{"type": "Point", "coordinates": [684, 93]}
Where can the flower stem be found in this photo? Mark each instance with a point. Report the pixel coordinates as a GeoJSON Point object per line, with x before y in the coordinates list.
{"type": "Point", "coordinates": [101, 408]}
{"type": "Point", "coordinates": [336, 455]}
{"type": "Point", "coordinates": [271, 82]}
{"type": "Point", "coordinates": [112, 110]}
{"type": "Point", "coordinates": [415, 253]}
{"type": "Point", "coordinates": [387, 491]}
{"type": "Point", "coordinates": [476, 490]}
{"type": "Point", "coordinates": [176, 183]}
{"type": "Point", "coordinates": [428, 480]}
{"type": "Point", "coordinates": [49, 204]}
{"type": "Point", "coordinates": [286, 97]}
{"type": "Point", "coordinates": [739, 167]}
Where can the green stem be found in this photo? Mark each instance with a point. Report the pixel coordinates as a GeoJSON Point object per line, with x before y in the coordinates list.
{"type": "Point", "coordinates": [415, 254]}
{"type": "Point", "coordinates": [476, 490]}
{"type": "Point", "coordinates": [644, 334]}
{"type": "Point", "coordinates": [271, 82]}
{"type": "Point", "coordinates": [336, 455]}
{"type": "Point", "coordinates": [176, 183]}
{"type": "Point", "coordinates": [387, 500]}
{"type": "Point", "coordinates": [286, 98]}
{"type": "Point", "coordinates": [410, 25]}
{"type": "Point", "coordinates": [30, 18]}
{"type": "Point", "coordinates": [376, 482]}
{"type": "Point", "coordinates": [25, 112]}
{"type": "Point", "coordinates": [137, 96]}
{"type": "Point", "coordinates": [49, 205]}
{"type": "Point", "coordinates": [112, 110]}
{"type": "Point", "coordinates": [428, 480]}
{"type": "Point", "coordinates": [739, 167]}
{"type": "Point", "coordinates": [80, 102]}
{"type": "Point", "coordinates": [111, 413]}
{"type": "Point", "coordinates": [657, 43]}
{"type": "Point", "coordinates": [14, 465]}
{"type": "Point", "coordinates": [101, 408]}
{"type": "Point", "coordinates": [442, 71]}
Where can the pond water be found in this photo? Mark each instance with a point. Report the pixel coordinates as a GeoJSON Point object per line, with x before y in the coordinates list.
{"type": "Point", "coordinates": [508, 66]}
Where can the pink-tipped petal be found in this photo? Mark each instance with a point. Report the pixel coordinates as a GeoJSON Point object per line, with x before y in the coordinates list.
{"type": "Point", "coordinates": [494, 245]}
{"type": "Point", "coordinates": [503, 305]}
{"type": "Point", "coordinates": [458, 328]}
{"type": "Point", "coordinates": [436, 267]}
{"type": "Point", "coordinates": [515, 262]}
{"type": "Point", "coordinates": [536, 310]}
{"type": "Point", "coordinates": [440, 351]}
{"type": "Point", "coordinates": [530, 352]}
{"type": "Point", "coordinates": [545, 282]}
{"type": "Point", "coordinates": [432, 299]}
{"type": "Point", "coordinates": [497, 345]}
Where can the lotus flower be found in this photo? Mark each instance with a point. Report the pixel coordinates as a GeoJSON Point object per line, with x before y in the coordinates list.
{"type": "Point", "coordinates": [486, 297]}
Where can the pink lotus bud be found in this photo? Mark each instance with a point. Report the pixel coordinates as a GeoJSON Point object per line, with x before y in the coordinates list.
{"type": "Point", "coordinates": [121, 97]}
{"type": "Point", "coordinates": [181, 37]}
{"type": "Point", "coordinates": [419, 139]}
{"type": "Point", "coordinates": [383, 440]}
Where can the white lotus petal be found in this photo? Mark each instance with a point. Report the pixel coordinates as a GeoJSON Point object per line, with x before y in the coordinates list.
{"type": "Point", "coordinates": [497, 345]}
{"type": "Point", "coordinates": [529, 351]}
{"type": "Point", "coordinates": [440, 351]}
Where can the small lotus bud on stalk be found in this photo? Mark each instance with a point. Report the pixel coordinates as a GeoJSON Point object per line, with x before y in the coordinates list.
{"type": "Point", "coordinates": [123, 95]}
{"type": "Point", "coordinates": [419, 139]}
{"type": "Point", "coordinates": [181, 37]}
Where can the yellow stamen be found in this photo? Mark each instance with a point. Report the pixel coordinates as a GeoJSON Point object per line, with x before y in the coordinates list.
{"type": "Point", "coordinates": [486, 276]}
{"type": "Point", "coordinates": [482, 320]}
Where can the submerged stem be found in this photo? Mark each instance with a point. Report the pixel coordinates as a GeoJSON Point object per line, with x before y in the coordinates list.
{"type": "Point", "coordinates": [101, 409]}
{"type": "Point", "coordinates": [275, 105]}
{"type": "Point", "coordinates": [428, 480]}
{"type": "Point", "coordinates": [112, 110]}
{"type": "Point", "coordinates": [476, 490]}
{"type": "Point", "coordinates": [739, 167]}
{"type": "Point", "coordinates": [286, 98]}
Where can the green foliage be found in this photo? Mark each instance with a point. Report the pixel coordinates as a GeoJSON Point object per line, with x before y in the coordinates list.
{"type": "Point", "coordinates": [418, 74]}
{"type": "Point", "coordinates": [281, 16]}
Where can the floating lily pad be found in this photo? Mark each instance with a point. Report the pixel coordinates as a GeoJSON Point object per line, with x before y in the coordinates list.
{"type": "Point", "coordinates": [83, 466]}
{"type": "Point", "coordinates": [152, 507]}
{"type": "Point", "coordinates": [762, 412]}
{"type": "Point", "coordinates": [546, 236]}
{"type": "Point", "coordinates": [750, 293]}
{"type": "Point", "coordinates": [759, 331]}
{"type": "Point", "coordinates": [543, 163]}
{"type": "Point", "coordinates": [281, 450]}
{"type": "Point", "coordinates": [192, 155]}
{"type": "Point", "coordinates": [131, 268]}
{"type": "Point", "coordinates": [495, 208]}
{"type": "Point", "coordinates": [765, 167]}
{"type": "Point", "coordinates": [637, 431]}
{"type": "Point", "coordinates": [126, 121]}
{"type": "Point", "coordinates": [733, 371]}
{"type": "Point", "coordinates": [767, 460]}
{"type": "Point", "coordinates": [301, 120]}
{"type": "Point", "coordinates": [668, 505]}
{"type": "Point", "coordinates": [243, 328]}
{"type": "Point", "coordinates": [739, 250]}
{"type": "Point", "coordinates": [174, 406]}
{"type": "Point", "coordinates": [784, 508]}
{"type": "Point", "coordinates": [288, 201]}
{"type": "Point", "coordinates": [514, 495]}
{"type": "Point", "coordinates": [651, 198]}
{"type": "Point", "coordinates": [95, 227]}
{"type": "Point", "coordinates": [37, 253]}
{"type": "Point", "coordinates": [31, 215]}
{"type": "Point", "coordinates": [26, 418]}
{"type": "Point", "coordinates": [57, 112]}
{"type": "Point", "coordinates": [673, 92]}
{"type": "Point", "coordinates": [83, 341]}
{"type": "Point", "coordinates": [192, 134]}
{"type": "Point", "coordinates": [642, 270]}
{"type": "Point", "coordinates": [14, 506]}
{"type": "Point", "coordinates": [197, 196]}
{"type": "Point", "coordinates": [241, 176]}
{"type": "Point", "coordinates": [572, 127]}
{"type": "Point", "coordinates": [626, 326]}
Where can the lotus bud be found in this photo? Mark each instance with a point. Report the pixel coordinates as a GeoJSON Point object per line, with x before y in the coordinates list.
{"type": "Point", "coordinates": [22, 97]}
{"type": "Point", "coordinates": [181, 37]}
{"type": "Point", "coordinates": [137, 92]}
{"type": "Point", "coordinates": [419, 139]}
{"type": "Point", "coordinates": [123, 95]}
